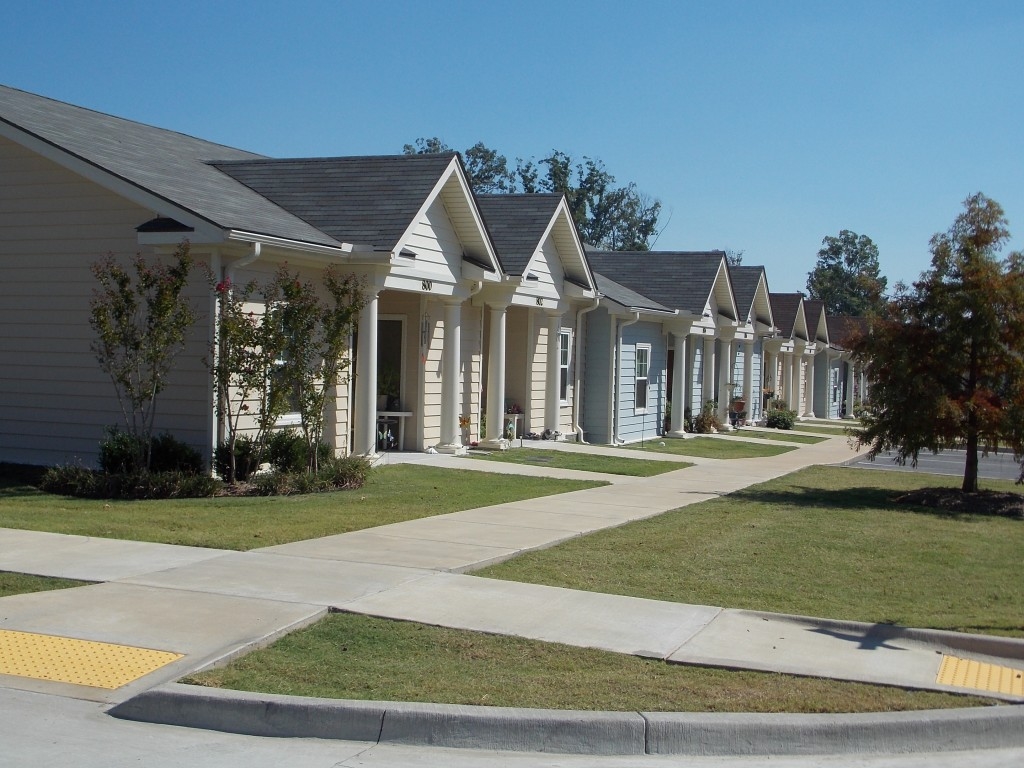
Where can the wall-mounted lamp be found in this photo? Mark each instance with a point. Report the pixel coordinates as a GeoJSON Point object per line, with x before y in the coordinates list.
{"type": "Point", "coordinates": [425, 331]}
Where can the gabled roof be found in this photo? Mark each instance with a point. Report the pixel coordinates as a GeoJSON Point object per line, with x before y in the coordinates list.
{"type": "Point", "coordinates": [361, 200]}
{"type": "Point", "coordinates": [683, 280]}
{"type": "Point", "coordinates": [844, 330]}
{"type": "Point", "coordinates": [162, 164]}
{"type": "Point", "coordinates": [787, 309]}
{"type": "Point", "coordinates": [750, 286]}
{"type": "Point", "coordinates": [518, 225]}
{"type": "Point", "coordinates": [817, 325]}
{"type": "Point", "coordinates": [626, 297]}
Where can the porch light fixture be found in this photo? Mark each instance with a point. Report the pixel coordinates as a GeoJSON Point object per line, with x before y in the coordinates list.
{"type": "Point", "coordinates": [425, 331]}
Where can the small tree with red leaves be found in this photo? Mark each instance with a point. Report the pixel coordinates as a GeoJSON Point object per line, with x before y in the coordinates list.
{"type": "Point", "coordinates": [946, 356]}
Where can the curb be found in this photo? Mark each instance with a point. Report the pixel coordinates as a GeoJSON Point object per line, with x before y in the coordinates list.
{"type": "Point", "coordinates": [576, 732]}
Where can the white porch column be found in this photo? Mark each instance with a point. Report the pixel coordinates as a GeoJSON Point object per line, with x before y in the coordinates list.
{"type": "Point", "coordinates": [552, 396]}
{"type": "Point", "coordinates": [809, 389]}
{"type": "Point", "coordinates": [787, 373]}
{"type": "Point", "coordinates": [679, 373]}
{"type": "Point", "coordinates": [849, 389]}
{"type": "Point", "coordinates": [451, 355]}
{"type": "Point", "coordinates": [725, 374]}
{"type": "Point", "coordinates": [796, 377]}
{"type": "Point", "coordinates": [496, 378]}
{"type": "Point", "coordinates": [771, 373]}
{"type": "Point", "coordinates": [707, 371]}
{"type": "Point", "coordinates": [365, 439]}
{"type": "Point", "coordinates": [748, 378]}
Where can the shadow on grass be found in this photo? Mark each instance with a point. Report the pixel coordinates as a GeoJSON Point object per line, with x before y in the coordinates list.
{"type": "Point", "coordinates": [949, 503]}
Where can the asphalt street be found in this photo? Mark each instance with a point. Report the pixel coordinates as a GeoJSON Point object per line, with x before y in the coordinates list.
{"type": "Point", "coordinates": [995, 466]}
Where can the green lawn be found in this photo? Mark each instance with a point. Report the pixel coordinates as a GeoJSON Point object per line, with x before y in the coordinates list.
{"type": "Point", "coordinates": [590, 462]}
{"type": "Point", "coordinates": [833, 431]}
{"type": "Point", "coordinates": [825, 541]}
{"type": "Point", "coordinates": [710, 448]}
{"type": "Point", "coordinates": [392, 494]}
{"type": "Point", "coordinates": [21, 583]}
{"type": "Point", "coordinates": [776, 434]}
{"type": "Point", "coordinates": [358, 657]}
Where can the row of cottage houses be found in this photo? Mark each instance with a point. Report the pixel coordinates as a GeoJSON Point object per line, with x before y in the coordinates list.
{"type": "Point", "coordinates": [486, 316]}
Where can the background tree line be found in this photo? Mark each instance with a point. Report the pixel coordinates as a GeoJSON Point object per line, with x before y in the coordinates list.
{"type": "Point", "coordinates": [608, 215]}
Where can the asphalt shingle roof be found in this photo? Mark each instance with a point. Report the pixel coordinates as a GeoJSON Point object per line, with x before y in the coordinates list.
{"type": "Point", "coordinates": [812, 311]}
{"type": "Point", "coordinates": [678, 279]}
{"type": "Point", "coordinates": [844, 330]}
{"type": "Point", "coordinates": [170, 165]}
{"type": "Point", "coordinates": [620, 294]}
{"type": "Point", "coordinates": [784, 309]}
{"type": "Point", "coordinates": [516, 224]}
{"type": "Point", "coordinates": [360, 200]}
{"type": "Point", "coordinates": [744, 287]}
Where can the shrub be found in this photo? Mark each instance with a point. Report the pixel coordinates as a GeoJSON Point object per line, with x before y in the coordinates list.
{"type": "Point", "coordinates": [69, 480]}
{"type": "Point", "coordinates": [707, 421]}
{"type": "Point", "coordinates": [121, 452]}
{"type": "Point", "coordinates": [338, 474]}
{"type": "Point", "coordinates": [246, 458]}
{"type": "Point", "coordinates": [76, 480]}
{"type": "Point", "coordinates": [287, 452]}
{"type": "Point", "coordinates": [172, 455]}
{"type": "Point", "coordinates": [780, 418]}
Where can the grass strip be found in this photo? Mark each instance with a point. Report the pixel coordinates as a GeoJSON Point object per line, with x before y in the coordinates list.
{"type": "Point", "coordinates": [392, 494]}
{"type": "Point", "coordinates": [358, 657]}
{"type": "Point", "coordinates": [710, 448]}
{"type": "Point", "coordinates": [588, 462]}
{"type": "Point", "coordinates": [781, 435]}
{"type": "Point", "coordinates": [824, 541]}
{"type": "Point", "coordinates": [832, 431]}
{"type": "Point", "coordinates": [22, 583]}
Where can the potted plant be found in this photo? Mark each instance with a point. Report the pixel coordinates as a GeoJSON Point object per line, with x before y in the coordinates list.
{"type": "Point", "coordinates": [387, 389]}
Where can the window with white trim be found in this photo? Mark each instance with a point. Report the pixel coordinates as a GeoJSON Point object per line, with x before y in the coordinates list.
{"type": "Point", "coordinates": [564, 358]}
{"type": "Point", "coordinates": [643, 367]}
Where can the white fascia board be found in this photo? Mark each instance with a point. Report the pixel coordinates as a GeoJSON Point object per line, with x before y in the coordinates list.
{"type": "Point", "coordinates": [341, 252]}
{"type": "Point", "coordinates": [102, 177]}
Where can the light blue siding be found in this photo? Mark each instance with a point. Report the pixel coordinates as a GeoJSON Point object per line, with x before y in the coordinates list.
{"type": "Point", "coordinates": [596, 374]}
{"type": "Point", "coordinates": [634, 426]}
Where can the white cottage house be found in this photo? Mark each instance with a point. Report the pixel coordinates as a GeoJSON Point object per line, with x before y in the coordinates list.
{"type": "Point", "coordinates": [78, 184]}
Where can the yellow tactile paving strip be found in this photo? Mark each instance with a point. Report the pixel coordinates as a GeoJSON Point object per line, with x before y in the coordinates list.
{"type": "Point", "coordinates": [81, 662]}
{"type": "Point", "coordinates": [964, 673]}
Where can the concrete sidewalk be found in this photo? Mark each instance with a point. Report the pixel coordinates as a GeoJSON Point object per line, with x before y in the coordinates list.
{"type": "Point", "coordinates": [211, 605]}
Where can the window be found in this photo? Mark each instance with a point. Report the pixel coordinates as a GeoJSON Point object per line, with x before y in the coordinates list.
{"type": "Point", "coordinates": [564, 345]}
{"type": "Point", "coordinates": [643, 365]}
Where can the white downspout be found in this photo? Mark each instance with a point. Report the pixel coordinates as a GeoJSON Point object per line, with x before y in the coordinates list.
{"type": "Point", "coordinates": [618, 373]}
{"type": "Point", "coordinates": [577, 396]}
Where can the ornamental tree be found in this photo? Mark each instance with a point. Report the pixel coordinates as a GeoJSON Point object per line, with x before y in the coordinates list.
{"type": "Point", "coordinates": [288, 357]}
{"type": "Point", "coordinates": [140, 323]}
{"type": "Point", "coordinates": [316, 335]}
{"type": "Point", "coordinates": [946, 356]}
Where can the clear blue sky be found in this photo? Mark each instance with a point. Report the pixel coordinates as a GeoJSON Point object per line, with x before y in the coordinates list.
{"type": "Point", "coordinates": [761, 126]}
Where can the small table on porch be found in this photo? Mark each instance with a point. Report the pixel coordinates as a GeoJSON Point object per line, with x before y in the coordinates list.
{"type": "Point", "coordinates": [389, 417]}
